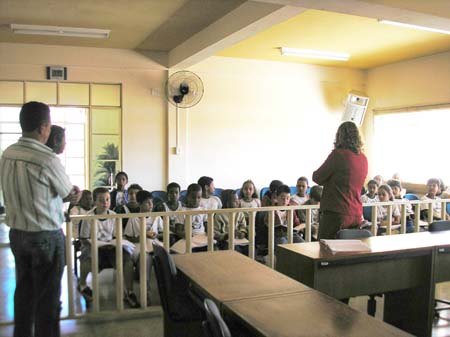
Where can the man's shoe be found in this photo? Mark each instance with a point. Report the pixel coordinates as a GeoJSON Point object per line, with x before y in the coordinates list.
{"type": "Point", "coordinates": [132, 300]}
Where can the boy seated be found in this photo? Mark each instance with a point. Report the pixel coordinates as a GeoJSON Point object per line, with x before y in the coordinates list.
{"type": "Point", "coordinates": [433, 186]}
{"type": "Point", "coordinates": [300, 197]}
{"type": "Point", "coordinates": [315, 194]}
{"type": "Point", "coordinates": [153, 226]}
{"type": "Point", "coordinates": [283, 196]}
{"type": "Point", "coordinates": [106, 248]}
{"type": "Point", "coordinates": [208, 200]}
{"type": "Point", "coordinates": [172, 204]}
{"type": "Point", "coordinates": [199, 222]}
{"type": "Point", "coordinates": [372, 192]}
{"type": "Point", "coordinates": [131, 206]}
{"type": "Point", "coordinates": [119, 195]}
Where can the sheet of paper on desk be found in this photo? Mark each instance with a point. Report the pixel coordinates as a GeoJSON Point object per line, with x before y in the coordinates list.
{"type": "Point", "coordinates": [344, 246]}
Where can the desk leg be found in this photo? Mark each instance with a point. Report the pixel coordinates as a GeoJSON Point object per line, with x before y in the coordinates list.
{"type": "Point", "coordinates": [410, 310]}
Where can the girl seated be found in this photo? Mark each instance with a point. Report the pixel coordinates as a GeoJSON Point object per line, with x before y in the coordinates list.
{"type": "Point", "coordinates": [384, 195]}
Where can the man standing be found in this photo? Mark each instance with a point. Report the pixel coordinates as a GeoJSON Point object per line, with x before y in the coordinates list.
{"type": "Point", "coordinates": [34, 184]}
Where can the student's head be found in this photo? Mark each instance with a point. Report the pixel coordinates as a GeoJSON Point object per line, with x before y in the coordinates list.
{"type": "Point", "coordinates": [396, 176]}
{"type": "Point", "coordinates": [57, 139]}
{"type": "Point", "coordinates": [193, 196]}
{"type": "Point", "coordinates": [145, 201]}
{"type": "Point", "coordinates": [283, 195]}
{"type": "Point", "coordinates": [379, 179]}
{"type": "Point", "coordinates": [207, 185]}
{"type": "Point", "coordinates": [173, 192]}
{"type": "Point", "coordinates": [442, 186]}
{"type": "Point", "coordinates": [101, 199]}
{"type": "Point", "coordinates": [248, 190]}
{"type": "Point", "coordinates": [302, 186]}
{"type": "Point", "coordinates": [347, 137]}
{"type": "Point", "coordinates": [385, 193]}
{"type": "Point", "coordinates": [372, 187]}
{"type": "Point", "coordinates": [229, 199]}
{"type": "Point", "coordinates": [315, 194]}
{"type": "Point", "coordinates": [86, 200]}
{"type": "Point", "coordinates": [133, 190]}
{"type": "Point", "coordinates": [274, 184]}
{"type": "Point", "coordinates": [35, 121]}
{"type": "Point", "coordinates": [433, 187]}
{"type": "Point", "coordinates": [121, 180]}
{"type": "Point", "coordinates": [396, 187]}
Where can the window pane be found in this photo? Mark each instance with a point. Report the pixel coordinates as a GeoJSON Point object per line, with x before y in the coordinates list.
{"type": "Point", "coordinates": [10, 128]}
{"type": "Point", "coordinates": [11, 92]}
{"type": "Point", "coordinates": [105, 94]}
{"type": "Point", "coordinates": [106, 120]}
{"type": "Point", "coordinates": [103, 172]}
{"type": "Point", "coordinates": [40, 91]}
{"type": "Point", "coordinates": [75, 132]}
{"type": "Point", "coordinates": [74, 166]}
{"type": "Point", "coordinates": [9, 114]}
{"type": "Point", "coordinates": [74, 93]}
{"type": "Point", "coordinates": [75, 148]}
{"type": "Point", "coordinates": [7, 140]}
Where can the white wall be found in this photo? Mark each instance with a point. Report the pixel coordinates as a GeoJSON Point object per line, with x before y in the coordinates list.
{"type": "Point", "coordinates": [261, 120]}
{"type": "Point", "coordinates": [144, 115]}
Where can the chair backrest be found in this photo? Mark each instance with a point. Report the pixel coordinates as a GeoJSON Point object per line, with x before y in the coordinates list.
{"type": "Point", "coordinates": [353, 234]}
{"type": "Point", "coordinates": [166, 274]}
{"type": "Point", "coordinates": [183, 195]}
{"type": "Point", "coordinates": [218, 192]}
{"type": "Point", "coordinates": [160, 195]}
{"type": "Point", "coordinates": [263, 192]}
{"type": "Point", "coordinates": [367, 213]}
{"type": "Point", "coordinates": [439, 225]}
{"type": "Point", "coordinates": [411, 196]}
{"type": "Point", "coordinates": [215, 325]}
{"type": "Point", "coordinates": [293, 190]}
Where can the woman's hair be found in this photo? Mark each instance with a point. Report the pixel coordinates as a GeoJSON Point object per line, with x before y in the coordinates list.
{"type": "Point", "coordinates": [388, 190]}
{"type": "Point", "coordinates": [347, 137]}
{"type": "Point", "coordinates": [56, 138]}
{"type": "Point", "coordinates": [241, 193]}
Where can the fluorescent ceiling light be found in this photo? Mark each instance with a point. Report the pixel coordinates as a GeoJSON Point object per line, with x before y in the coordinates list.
{"type": "Point", "coordinates": [60, 31]}
{"type": "Point", "coordinates": [407, 25]}
{"type": "Point", "coordinates": [314, 54]}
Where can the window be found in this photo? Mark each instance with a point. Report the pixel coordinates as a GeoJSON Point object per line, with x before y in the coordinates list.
{"type": "Point", "coordinates": [72, 119]}
{"type": "Point", "coordinates": [412, 144]}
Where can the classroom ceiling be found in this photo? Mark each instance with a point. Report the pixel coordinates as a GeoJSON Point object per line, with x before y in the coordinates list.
{"type": "Point", "coordinates": [157, 25]}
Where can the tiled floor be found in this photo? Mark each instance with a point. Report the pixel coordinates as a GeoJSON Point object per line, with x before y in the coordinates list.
{"type": "Point", "coordinates": [135, 324]}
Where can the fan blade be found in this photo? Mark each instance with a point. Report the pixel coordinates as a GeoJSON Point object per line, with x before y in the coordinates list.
{"type": "Point", "coordinates": [184, 89]}
{"type": "Point", "coordinates": [178, 98]}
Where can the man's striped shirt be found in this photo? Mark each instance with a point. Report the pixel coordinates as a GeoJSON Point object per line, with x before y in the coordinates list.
{"type": "Point", "coordinates": [34, 183]}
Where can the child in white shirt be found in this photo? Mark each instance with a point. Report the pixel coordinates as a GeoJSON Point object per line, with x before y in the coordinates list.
{"type": "Point", "coordinates": [208, 200]}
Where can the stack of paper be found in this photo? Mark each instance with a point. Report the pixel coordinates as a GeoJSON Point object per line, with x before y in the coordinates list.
{"type": "Point", "coordinates": [344, 246]}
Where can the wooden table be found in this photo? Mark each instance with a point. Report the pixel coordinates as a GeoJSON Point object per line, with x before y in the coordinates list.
{"type": "Point", "coordinates": [400, 266]}
{"type": "Point", "coordinates": [227, 275]}
{"type": "Point", "coordinates": [305, 314]}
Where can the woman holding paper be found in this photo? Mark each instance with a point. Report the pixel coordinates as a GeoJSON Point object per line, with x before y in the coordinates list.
{"type": "Point", "coordinates": [342, 176]}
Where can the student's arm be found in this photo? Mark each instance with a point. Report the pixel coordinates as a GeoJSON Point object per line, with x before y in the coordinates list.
{"type": "Point", "coordinates": [220, 232]}
{"type": "Point", "coordinates": [241, 226]}
{"type": "Point", "coordinates": [324, 172]}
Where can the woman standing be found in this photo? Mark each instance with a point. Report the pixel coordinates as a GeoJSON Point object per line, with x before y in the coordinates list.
{"type": "Point", "coordinates": [342, 176]}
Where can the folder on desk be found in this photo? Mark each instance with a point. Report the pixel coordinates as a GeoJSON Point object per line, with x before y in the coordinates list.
{"type": "Point", "coordinates": [344, 246]}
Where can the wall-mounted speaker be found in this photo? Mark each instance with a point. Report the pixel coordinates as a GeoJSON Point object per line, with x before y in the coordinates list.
{"type": "Point", "coordinates": [355, 108]}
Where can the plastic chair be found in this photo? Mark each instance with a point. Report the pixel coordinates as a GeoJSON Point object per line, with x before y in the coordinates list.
{"type": "Point", "coordinates": [214, 326]}
{"type": "Point", "coordinates": [183, 195]}
{"type": "Point", "coordinates": [448, 208]}
{"type": "Point", "coordinates": [411, 196]}
{"type": "Point", "coordinates": [438, 226]}
{"type": "Point", "coordinates": [293, 190]}
{"type": "Point", "coordinates": [182, 317]}
{"type": "Point", "coordinates": [263, 192]}
{"type": "Point", "coordinates": [162, 195]}
{"type": "Point", "coordinates": [367, 213]}
{"type": "Point", "coordinates": [237, 191]}
{"type": "Point", "coordinates": [350, 234]}
{"type": "Point", "coordinates": [218, 192]}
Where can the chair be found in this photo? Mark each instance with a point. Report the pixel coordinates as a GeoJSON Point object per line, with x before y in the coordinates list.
{"type": "Point", "coordinates": [162, 195]}
{"type": "Point", "coordinates": [182, 317]}
{"type": "Point", "coordinates": [183, 195]}
{"type": "Point", "coordinates": [218, 192]}
{"type": "Point", "coordinates": [349, 234]}
{"type": "Point", "coordinates": [411, 196]}
{"type": "Point", "coordinates": [263, 192]}
{"type": "Point", "coordinates": [214, 326]}
{"type": "Point", "coordinates": [367, 213]}
{"type": "Point", "coordinates": [293, 190]}
{"type": "Point", "coordinates": [448, 208]}
{"type": "Point", "coordinates": [438, 226]}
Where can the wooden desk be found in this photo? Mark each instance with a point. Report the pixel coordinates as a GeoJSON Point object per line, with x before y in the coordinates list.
{"type": "Point", "coordinates": [442, 257]}
{"type": "Point", "coordinates": [305, 314]}
{"type": "Point", "coordinates": [400, 266]}
{"type": "Point", "coordinates": [227, 275]}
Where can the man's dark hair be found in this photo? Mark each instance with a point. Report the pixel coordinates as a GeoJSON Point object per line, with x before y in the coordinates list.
{"type": "Point", "coordinates": [316, 192]}
{"type": "Point", "coordinates": [33, 115]}
{"type": "Point", "coordinates": [283, 189]}
{"type": "Point", "coordinates": [135, 187]}
{"type": "Point", "coordinates": [143, 195]}
{"type": "Point", "coordinates": [99, 190]}
{"type": "Point", "coordinates": [173, 185]}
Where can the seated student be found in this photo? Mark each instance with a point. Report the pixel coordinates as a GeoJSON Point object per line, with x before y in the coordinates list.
{"type": "Point", "coordinates": [281, 217]}
{"type": "Point", "coordinates": [396, 187]}
{"type": "Point", "coordinates": [433, 185]}
{"type": "Point", "coordinates": [300, 197]}
{"type": "Point", "coordinates": [119, 195]}
{"type": "Point", "coordinates": [269, 199]}
{"type": "Point", "coordinates": [248, 198]}
{"type": "Point", "coordinates": [84, 206]}
{"type": "Point", "coordinates": [153, 226]}
{"type": "Point", "coordinates": [444, 193]}
{"type": "Point", "coordinates": [372, 192]}
{"type": "Point", "coordinates": [172, 204]}
{"type": "Point", "coordinates": [209, 200]}
{"type": "Point", "coordinates": [131, 206]}
{"type": "Point", "coordinates": [106, 248]}
{"type": "Point", "coordinates": [222, 220]}
{"type": "Point", "coordinates": [384, 195]}
{"type": "Point", "coordinates": [379, 179]}
{"type": "Point", "coordinates": [314, 199]}
{"type": "Point", "coordinates": [199, 222]}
